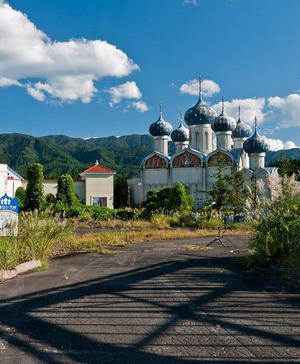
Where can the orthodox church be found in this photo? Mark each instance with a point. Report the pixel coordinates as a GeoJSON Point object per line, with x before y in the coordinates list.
{"type": "Point", "coordinates": [198, 148]}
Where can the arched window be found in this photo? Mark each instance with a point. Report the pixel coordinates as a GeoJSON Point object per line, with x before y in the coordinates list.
{"type": "Point", "coordinates": [197, 140]}
{"type": "Point", "coordinates": [206, 140]}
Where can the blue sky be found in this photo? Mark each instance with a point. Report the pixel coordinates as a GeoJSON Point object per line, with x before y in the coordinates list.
{"type": "Point", "coordinates": [64, 84]}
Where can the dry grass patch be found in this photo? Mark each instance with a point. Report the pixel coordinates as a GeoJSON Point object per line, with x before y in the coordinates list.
{"type": "Point", "coordinates": [197, 247]}
{"type": "Point", "coordinates": [98, 242]}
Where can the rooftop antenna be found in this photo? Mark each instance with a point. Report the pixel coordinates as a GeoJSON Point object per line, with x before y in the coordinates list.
{"type": "Point", "coordinates": [160, 111]}
{"type": "Point", "coordinates": [200, 88]}
{"type": "Point", "coordinates": [239, 112]}
{"type": "Point", "coordinates": [181, 120]}
{"type": "Point", "coordinates": [223, 101]}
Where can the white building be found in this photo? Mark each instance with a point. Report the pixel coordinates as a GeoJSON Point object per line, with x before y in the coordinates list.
{"type": "Point", "coordinates": [196, 157]}
{"type": "Point", "coordinates": [9, 180]}
{"type": "Point", "coordinates": [95, 186]}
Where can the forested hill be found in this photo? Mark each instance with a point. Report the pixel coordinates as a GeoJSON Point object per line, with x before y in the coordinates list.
{"type": "Point", "coordinates": [62, 154]}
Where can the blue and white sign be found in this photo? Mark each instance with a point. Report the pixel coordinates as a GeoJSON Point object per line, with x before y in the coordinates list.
{"type": "Point", "coordinates": [9, 209]}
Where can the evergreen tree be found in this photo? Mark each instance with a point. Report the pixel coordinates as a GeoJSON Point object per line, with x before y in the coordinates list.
{"type": "Point", "coordinates": [35, 190]}
{"type": "Point", "coordinates": [65, 191]}
{"type": "Point", "coordinates": [120, 191]}
{"type": "Point", "coordinates": [220, 191]}
{"type": "Point", "coordinates": [238, 192]}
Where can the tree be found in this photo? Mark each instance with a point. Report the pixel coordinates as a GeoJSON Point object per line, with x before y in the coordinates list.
{"type": "Point", "coordinates": [238, 192]}
{"type": "Point", "coordinates": [20, 195]}
{"type": "Point", "coordinates": [169, 199]}
{"type": "Point", "coordinates": [120, 191]}
{"type": "Point", "coordinates": [65, 191]}
{"type": "Point", "coordinates": [35, 190]}
{"type": "Point", "coordinates": [220, 191]}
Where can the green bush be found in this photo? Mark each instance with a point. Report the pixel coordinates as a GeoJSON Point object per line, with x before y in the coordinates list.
{"type": "Point", "coordinates": [101, 213]}
{"type": "Point", "coordinates": [75, 211]}
{"type": "Point", "coordinates": [21, 197]}
{"type": "Point", "coordinates": [35, 199]}
{"type": "Point", "coordinates": [65, 191]}
{"type": "Point", "coordinates": [168, 200]}
{"type": "Point", "coordinates": [277, 232]}
{"type": "Point", "coordinates": [126, 215]}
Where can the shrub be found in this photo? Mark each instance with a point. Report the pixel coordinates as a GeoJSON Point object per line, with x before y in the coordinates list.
{"type": "Point", "coordinates": [277, 232]}
{"type": "Point", "coordinates": [101, 213]}
{"type": "Point", "coordinates": [168, 200]}
{"type": "Point", "coordinates": [126, 214]}
{"type": "Point", "coordinates": [65, 191]}
{"type": "Point", "coordinates": [21, 197]}
{"type": "Point", "coordinates": [35, 199]}
{"type": "Point", "coordinates": [75, 211]}
{"type": "Point", "coordinates": [50, 200]}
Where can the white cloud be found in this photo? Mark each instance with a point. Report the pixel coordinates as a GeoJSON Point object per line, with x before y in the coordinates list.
{"type": "Point", "coordinates": [68, 69]}
{"type": "Point", "coordinates": [286, 109]}
{"type": "Point", "coordinates": [209, 87]}
{"type": "Point", "coordinates": [249, 109]}
{"type": "Point", "coordinates": [6, 82]}
{"type": "Point", "coordinates": [140, 106]}
{"type": "Point", "coordinates": [277, 144]}
{"type": "Point", "coordinates": [190, 2]}
{"type": "Point", "coordinates": [128, 90]}
{"type": "Point", "coordinates": [35, 93]}
{"type": "Point", "coordinates": [290, 145]}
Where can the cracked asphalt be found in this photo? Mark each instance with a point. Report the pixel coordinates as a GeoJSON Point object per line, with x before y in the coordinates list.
{"type": "Point", "coordinates": [151, 302]}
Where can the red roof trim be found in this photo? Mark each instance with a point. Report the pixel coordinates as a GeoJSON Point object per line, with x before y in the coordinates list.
{"type": "Point", "coordinates": [97, 168]}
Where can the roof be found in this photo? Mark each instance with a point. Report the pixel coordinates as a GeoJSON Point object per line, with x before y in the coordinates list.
{"type": "Point", "coordinates": [97, 168]}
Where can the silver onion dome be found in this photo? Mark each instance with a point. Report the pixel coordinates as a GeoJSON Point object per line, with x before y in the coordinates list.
{"type": "Point", "coordinates": [223, 122]}
{"type": "Point", "coordinates": [242, 129]}
{"type": "Point", "coordinates": [160, 127]}
{"type": "Point", "coordinates": [256, 143]}
{"type": "Point", "coordinates": [200, 114]}
{"type": "Point", "coordinates": [181, 134]}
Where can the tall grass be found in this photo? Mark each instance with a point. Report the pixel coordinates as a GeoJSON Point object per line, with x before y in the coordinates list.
{"type": "Point", "coordinates": [36, 236]}
{"type": "Point", "coordinates": [277, 231]}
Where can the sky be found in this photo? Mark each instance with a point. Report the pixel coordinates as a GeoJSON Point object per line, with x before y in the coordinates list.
{"type": "Point", "coordinates": [99, 68]}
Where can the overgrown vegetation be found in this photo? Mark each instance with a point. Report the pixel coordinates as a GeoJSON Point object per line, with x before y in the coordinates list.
{"type": "Point", "coordinates": [168, 200]}
{"type": "Point", "coordinates": [276, 238]}
{"type": "Point", "coordinates": [165, 215]}
{"type": "Point", "coordinates": [35, 240]}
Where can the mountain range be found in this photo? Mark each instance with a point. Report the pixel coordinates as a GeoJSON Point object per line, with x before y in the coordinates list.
{"type": "Point", "coordinates": [62, 154]}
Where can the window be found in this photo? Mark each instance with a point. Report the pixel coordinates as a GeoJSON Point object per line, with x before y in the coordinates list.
{"type": "Point", "coordinates": [99, 201]}
{"type": "Point", "coordinates": [206, 140]}
{"type": "Point", "coordinates": [197, 141]}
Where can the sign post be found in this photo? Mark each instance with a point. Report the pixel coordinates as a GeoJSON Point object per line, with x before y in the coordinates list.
{"type": "Point", "coordinates": [9, 209]}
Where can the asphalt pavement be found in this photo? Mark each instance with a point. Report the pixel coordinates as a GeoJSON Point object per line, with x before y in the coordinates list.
{"type": "Point", "coordinates": [151, 302]}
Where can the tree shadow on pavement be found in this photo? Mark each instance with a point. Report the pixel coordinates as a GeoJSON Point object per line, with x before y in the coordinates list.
{"type": "Point", "coordinates": [49, 325]}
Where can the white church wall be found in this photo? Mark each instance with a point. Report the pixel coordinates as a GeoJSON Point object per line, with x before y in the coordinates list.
{"type": "Point", "coordinates": [154, 179]}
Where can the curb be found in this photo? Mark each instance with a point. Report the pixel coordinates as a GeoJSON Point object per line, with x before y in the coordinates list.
{"type": "Point", "coordinates": [21, 268]}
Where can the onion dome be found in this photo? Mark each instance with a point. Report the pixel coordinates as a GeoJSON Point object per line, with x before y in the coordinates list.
{"type": "Point", "coordinates": [160, 127]}
{"type": "Point", "coordinates": [200, 113]}
{"type": "Point", "coordinates": [242, 129]}
{"type": "Point", "coordinates": [181, 134]}
{"type": "Point", "coordinates": [223, 122]}
{"type": "Point", "coordinates": [256, 144]}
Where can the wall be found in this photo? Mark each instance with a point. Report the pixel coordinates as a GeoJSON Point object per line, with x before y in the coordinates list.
{"type": "Point", "coordinates": [99, 185]}
{"type": "Point", "coordinates": [154, 179]}
{"type": "Point", "coordinates": [50, 186]}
